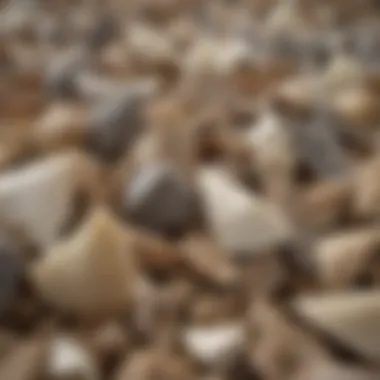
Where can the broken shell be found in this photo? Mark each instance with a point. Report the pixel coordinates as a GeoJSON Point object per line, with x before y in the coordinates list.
{"type": "Point", "coordinates": [155, 252]}
{"type": "Point", "coordinates": [160, 198]}
{"type": "Point", "coordinates": [37, 198]}
{"type": "Point", "coordinates": [68, 359]}
{"type": "Point", "coordinates": [92, 273]}
{"type": "Point", "coordinates": [351, 318]}
{"type": "Point", "coordinates": [342, 258]}
{"type": "Point", "coordinates": [215, 344]}
{"type": "Point", "coordinates": [327, 203]}
{"type": "Point", "coordinates": [202, 256]}
{"type": "Point", "coordinates": [240, 220]}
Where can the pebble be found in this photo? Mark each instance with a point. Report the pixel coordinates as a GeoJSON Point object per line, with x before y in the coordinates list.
{"type": "Point", "coordinates": [90, 274]}
{"type": "Point", "coordinates": [240, 220]}
{"type": "Point", "coordinates": [160, 199]}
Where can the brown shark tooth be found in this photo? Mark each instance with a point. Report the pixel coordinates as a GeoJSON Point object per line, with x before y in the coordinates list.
{"type": "Point", "coordinates": [90, 274]}
{"type": "Point", "coordinates": [350, 318]}
{"type": "Point", "coordinates": [342, 259]}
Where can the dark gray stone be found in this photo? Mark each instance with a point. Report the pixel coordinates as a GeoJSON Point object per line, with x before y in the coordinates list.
{"type": "Point", "coordinates": [160, 199]}
{"type": "Point", "coordinates": [115, 125]}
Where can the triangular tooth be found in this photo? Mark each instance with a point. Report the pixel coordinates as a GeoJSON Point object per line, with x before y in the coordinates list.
{"type": "Point", "coordinates": [353, 319]}
{"type": "Point", "coordinates": [241, 221]}
{"type": "Point", "coordinates": [91, 274]}
{"type": "Point", "coordinates": [37, 198]}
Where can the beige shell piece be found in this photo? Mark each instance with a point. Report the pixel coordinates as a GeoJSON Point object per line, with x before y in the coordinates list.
{"type": "Point", "coordinates": [240, 220]}
{"type": "Point", "coordinates": [352, 318]}
{"type": "Point", "coordinates": [37, 198]}
{"type": "Point", "coordinates": [69, 359]}
{"type": "Point", "coordinates": [214, 344]}
{"type": "Point", "coordinates": [92, 273]}
{"type": "Point", "coordinates": [342, 257]}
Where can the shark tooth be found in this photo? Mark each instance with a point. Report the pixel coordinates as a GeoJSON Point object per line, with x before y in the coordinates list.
{"type": "Point", "coordinates": [90, 274]}
{"type": "Point", "coordinates": [241, 221]}
{"type": "Point", "coordinates": [351, 318]}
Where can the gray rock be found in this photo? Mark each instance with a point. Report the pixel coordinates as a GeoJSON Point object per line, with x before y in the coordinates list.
{"type": "Point", "coordinates": [160, 199]}
{"type": "Point", "coordinates": [62, 77]}
{"type": "Point", "coordinates": [115, 125]}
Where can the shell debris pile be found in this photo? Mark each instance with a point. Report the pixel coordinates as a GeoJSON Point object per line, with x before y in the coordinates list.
{"type": "Point", "coordinates": [190, 190]}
